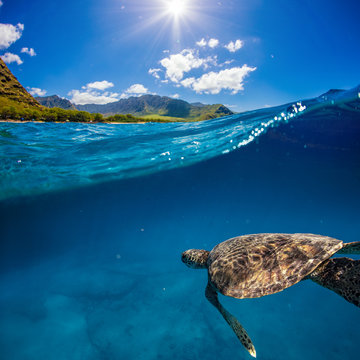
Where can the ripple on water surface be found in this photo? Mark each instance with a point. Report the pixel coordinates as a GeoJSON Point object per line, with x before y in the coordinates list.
{"type": "Point", "coordinates": [39, 157]}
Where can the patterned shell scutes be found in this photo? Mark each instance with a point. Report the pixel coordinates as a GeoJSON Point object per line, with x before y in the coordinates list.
{"type": "Point", "coordinates": [252, 266]}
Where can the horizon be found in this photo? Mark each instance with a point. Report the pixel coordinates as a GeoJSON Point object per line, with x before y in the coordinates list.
{"type": "Point", "coordinates": [196, 103]}
{"type": "Point", "coordinates": [260, 56]}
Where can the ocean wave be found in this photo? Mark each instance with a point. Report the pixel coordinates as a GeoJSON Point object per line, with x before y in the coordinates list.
{"type": "Point", "coordinates": [39, 157]}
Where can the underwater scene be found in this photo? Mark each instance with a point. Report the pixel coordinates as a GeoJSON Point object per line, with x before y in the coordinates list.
{"type": "Point", "coordinates": [95, 217]}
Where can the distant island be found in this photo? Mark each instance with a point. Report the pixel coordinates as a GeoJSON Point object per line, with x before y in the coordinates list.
{"type": "Point", "coordinates": [17, 104]}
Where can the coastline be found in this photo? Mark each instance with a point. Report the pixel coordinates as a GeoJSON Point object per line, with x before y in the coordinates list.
{"type": "Point", "coordinates": [78, 122]}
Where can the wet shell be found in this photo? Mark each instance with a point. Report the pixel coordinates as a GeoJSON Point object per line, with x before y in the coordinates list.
{"type": "Point", "coordinates": [252, 266]}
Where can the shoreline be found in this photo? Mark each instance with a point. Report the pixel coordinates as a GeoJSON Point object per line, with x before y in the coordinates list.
{"type": "Point", "coordinates": [75, 122]}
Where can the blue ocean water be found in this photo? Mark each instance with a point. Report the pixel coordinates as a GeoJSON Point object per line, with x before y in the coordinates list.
{"type": "Point", "coordinates": [94, 219]}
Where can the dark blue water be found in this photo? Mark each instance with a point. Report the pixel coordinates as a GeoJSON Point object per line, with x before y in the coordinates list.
{"type": "Point", "coordinates": [92, 230]}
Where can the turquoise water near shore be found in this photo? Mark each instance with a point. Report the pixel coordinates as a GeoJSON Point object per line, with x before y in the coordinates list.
{"type": "Point", "coordinates": [90, 259]}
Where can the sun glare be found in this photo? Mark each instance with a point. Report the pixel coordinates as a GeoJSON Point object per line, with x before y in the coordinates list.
{"type": "Point", "coordinates": [176, 7]}
{"type": "Point", "coordinates": [170, 17]}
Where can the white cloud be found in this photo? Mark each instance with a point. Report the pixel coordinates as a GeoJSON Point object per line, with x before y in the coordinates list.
{"type": "Point", "coordinates": [111, 94]}
{"type": "Point", "coordinates": [28, 51]}
{"type": "Point", "coordinates": [94, 93]}
{"type": "Point", "coordinates": [175, 96]}
{"type": "Point", "coordinates": [213, 43]}
{"type": "Point", "coordinates": [155, 73]}
{"type": "Point", "coordinates": [91, 97]}
{"type": "Point", "coordinates": [234, 46]}
{"type": "Point", "coordinates": [227, 62]}
{"type": "Point", "coordinates": [214, 82]}
{"type": "Point", "coordinates": [178, 64]}
{"type": "Point", "coordinates": [9, 34]}
{"type": "Point", "coordinates": [188, 82]}
{"type": "Point", "coordinates": [1, 3]}
{"type": "Point", "coordinates": [10, 58]}
{"type": "Point", "coordinates": [137, 89]}
{"type": "Point", "coordinates": [36, 91]}
{"type": "Point", "coordinates": [134, 90]}
{"type": "Point", "coordinates": [201, 43]}
{"type": "Point", "coordinates": [99, 85]}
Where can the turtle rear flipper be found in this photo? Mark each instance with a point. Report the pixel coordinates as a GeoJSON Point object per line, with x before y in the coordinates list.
{"type": "Point", "coordinates": [350, 248]}
{"type": "Point", "coordinates": [341, 275]}
{"type": "Point", "coordinates": [238, 329]}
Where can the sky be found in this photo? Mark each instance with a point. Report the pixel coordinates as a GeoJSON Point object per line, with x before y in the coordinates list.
{"type": "Point", "coordinates": [246, 54]}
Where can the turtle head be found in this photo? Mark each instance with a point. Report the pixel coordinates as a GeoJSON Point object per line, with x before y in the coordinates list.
{"type": "Point", "coordinates": [195, 259]}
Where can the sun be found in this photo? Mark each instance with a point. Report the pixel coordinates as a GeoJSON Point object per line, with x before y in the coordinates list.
{"type": "Point", "coordinates": [176, 7]}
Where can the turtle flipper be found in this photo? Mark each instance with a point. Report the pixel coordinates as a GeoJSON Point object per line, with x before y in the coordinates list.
{"type": "Point", "coordinates": [341, 275]}
{"type": "Point", "coordinates": [350, 248]}
{"type": "Point", "coordinates": [240, 332]}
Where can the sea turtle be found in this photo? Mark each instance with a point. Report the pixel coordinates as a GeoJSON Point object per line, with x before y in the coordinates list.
{"type": "Point", "coordinates": [252, 266]}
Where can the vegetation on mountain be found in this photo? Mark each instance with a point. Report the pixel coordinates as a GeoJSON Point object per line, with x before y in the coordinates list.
{"type": "Point", "coordinates": [55, 101]}
{"type": "Point", "coordinates": [12, 90]}
{"type": "Point", "coordinates": [14, 111]}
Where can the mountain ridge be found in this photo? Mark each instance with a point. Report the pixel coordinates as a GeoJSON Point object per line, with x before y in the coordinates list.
{"type": "Point", "coordinates": [53, 101]}
{"type": "Point", "coordinates": [146, 106]}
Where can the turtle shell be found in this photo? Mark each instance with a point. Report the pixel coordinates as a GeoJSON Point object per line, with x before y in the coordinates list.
{"type": "Point", "coordinates": [252, 266]}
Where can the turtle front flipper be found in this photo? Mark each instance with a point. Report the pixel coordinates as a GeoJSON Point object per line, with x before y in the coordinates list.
{"type": "Point", "coordinates": [240, 332]}
{"type": "Point", "coordinates": [341, 275]}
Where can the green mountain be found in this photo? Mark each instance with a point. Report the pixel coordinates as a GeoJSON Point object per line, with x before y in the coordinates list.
{"type": "Point", "coordinates": [55, 101]}
{"type": "Point", "coordinates": [12, 93]}
{"type": "Point", "coordinates": [17, 104]}
{"type": "Point", "coordinates": [155, 106]}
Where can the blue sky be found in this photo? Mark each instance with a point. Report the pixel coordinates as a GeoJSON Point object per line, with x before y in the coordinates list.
{"type": "Point", "coordinates": [245, 54]}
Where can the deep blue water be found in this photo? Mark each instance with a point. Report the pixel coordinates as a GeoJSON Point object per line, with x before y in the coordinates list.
{"type": "Point", "coordinates": [94, 219]}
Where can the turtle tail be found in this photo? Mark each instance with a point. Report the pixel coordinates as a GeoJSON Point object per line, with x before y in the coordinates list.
{"type": "Point", "coordinates": [341, 275]}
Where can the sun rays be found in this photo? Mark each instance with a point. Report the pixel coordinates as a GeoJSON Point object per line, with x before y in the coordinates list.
{"type": "Point", "coordinates": [165, 19]}
{"type": "Point", "coordinates": [176, 8]}
{"type": "Point", "coordinates": [170, 22]}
